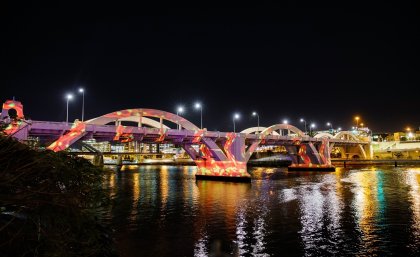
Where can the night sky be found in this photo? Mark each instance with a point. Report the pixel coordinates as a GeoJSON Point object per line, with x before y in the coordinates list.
{"type": "Point", "coordinates": [323, 64]}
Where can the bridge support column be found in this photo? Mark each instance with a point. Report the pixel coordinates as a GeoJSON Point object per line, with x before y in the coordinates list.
{"type": "Point", "coordinates": [98, 160]}
{"type": "Point", "coordinates": [309, 158]}
{"type": "Point", "coordinates": [225, 163]}
{"type": "Point", "coordinates": [119, 160]}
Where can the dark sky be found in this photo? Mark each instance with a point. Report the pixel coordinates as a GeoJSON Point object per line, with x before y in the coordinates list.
{"type": "Point", "coordinates": [323, 63]}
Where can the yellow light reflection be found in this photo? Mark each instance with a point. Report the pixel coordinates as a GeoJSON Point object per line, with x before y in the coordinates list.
{"type": "Point", "coordinates": [413, 181]}
{"type": "Point", "coordinates": [222, 198]}
{"type": "Point", "coordinates": [164, 186]}
{"type": "Point", "coordinates": [366, 205]}
{"type": "Point", "coordinates": [136, 196]}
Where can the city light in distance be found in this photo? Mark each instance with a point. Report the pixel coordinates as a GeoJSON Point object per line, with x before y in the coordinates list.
{"type": "Point", "coordinates": [328, 124]}
{"type": "Point", "coordinates": [339, 129]}
{"type": "Point", "coordinates": [285, 121]}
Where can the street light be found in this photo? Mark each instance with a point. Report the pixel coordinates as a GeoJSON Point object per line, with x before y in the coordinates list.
{"type": "Point", "coordinates": [362, 125]}
{"type": "Point", "coordinates": [68, 97]}
{"type": "Point", "coordinates": [357, 121]}
{"type": "Point", "coordinates": [302, 120]}
{"type": "Point", "coordinates": [285, 121]}
{"type": "Point", "coordinates": [236, 116]}
{"type": "Point", "coordinates": [311, 127]}
{"type": "Point", "coordinates": [339, 129]}
{"type": "Point", "coordinates": [409, 132]}
{"type": "Point", "coordinates": [81, 90]}
{"type": "Point", "coordinates": [179, 110]}
{"type": "Point", "coordinates": [258, 120]}
{"type": "Point", "coordinates": [330, 125]}
{"type": "Point", "coordinates": [199, 106]}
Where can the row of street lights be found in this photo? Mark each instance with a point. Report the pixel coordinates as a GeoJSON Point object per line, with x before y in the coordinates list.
{"type": "Point", "coordinates": [236, 116]}
{"type": "Point", "coordinates": [69, 97]}
{"type": "Point", "coordinates": [197, 106]}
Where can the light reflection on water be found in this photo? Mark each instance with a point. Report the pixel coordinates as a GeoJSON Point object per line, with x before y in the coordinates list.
{"type": "Point", "coordinates": [163, 211]}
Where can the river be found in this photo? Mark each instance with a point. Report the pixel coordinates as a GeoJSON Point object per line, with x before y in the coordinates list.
{"type": "Point", "coordinates": [164, 211]}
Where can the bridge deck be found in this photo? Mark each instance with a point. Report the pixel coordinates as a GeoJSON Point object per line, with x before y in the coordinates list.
{"type": "Point", "coordinates": [152, 135]}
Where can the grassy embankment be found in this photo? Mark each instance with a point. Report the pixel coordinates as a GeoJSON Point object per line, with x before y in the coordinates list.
{"type": "Point", "coordinates": [49, 204]}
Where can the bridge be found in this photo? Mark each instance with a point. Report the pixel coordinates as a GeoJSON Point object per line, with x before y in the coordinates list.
{"type": "Point", "coordinates": [218, 155]}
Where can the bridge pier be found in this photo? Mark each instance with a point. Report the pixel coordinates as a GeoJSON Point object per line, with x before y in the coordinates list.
{"type": "Point", "coordinates": [98, 160]}
{"type": "Point", "coordinates": [313, 159]}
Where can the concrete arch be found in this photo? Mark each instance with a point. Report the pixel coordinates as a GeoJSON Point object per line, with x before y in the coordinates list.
{"type": "Point", "coordinates": [273, 128]}
{"type": "Point", "coordinates": [145, 121]}
{"type": "Point", "coordinates": [347, 135]}
{"type": "Point", "coordinates": [323, 135]}
{"type": "Point", "coordinates": [256, 129]}
{"type": "Point", "coordinates": [140, 116]}
{"type": "Point", "coordinates": [268, 131]}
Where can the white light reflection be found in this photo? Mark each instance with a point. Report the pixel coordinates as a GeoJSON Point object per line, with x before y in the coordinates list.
{"type": "Point", "coordinates": [321, 210]}
{"type": "Point", "coordinates": [259, 235]}
{"type": "Point", "coordinates": [412, 177]}
{"type": "Point", "coordinates": [241, 232]}
{"type": "Point", "coordinates": [200, 249]}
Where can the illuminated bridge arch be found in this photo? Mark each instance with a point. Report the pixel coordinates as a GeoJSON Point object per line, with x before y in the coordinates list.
{"type": "Point", "coordinates": [349, 136]}
{"type": "Point", "coordinates": [288, 127]}
{"type": "Point", "coordinates": [254, 130]}
{"type": "Point", "coordinates": [141, 116]}
{"type": "Point", "coordinates": [324, 135]}
{"type": "Point", "coordinates": [271, 130]}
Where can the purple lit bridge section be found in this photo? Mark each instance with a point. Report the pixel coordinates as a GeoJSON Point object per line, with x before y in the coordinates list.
{"type": "Point", "coordinates": [218, 155]}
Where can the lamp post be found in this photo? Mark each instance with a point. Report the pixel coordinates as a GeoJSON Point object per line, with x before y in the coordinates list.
{"type": "Point", "coordinates": [408, 129]}
{"type": "Point", "coordinates": [357, 121]}
{"type": "Point", "coordinates": [258, 120]}
{"type": "Point", "coordinates": [199, 106]}
{"type": "Point", "coordinates": [179, 110]}
{"type": "Point", "coordinates": [302, 120]}
{"type": "Point", "coordinates": [330, 125]}
{"type": "Point", "coordinates": [81, 90]}
{"type": "Point", "coordinates": [68, 97]}
{"type": "Point", "coordinates": [236, 116]}
{"type": "Point", "coordinates": [285, 121]}
{"type": "Point", "coordinates": [311, 127]}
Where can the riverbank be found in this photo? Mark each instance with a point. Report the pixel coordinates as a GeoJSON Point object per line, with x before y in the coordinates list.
{"type": "Point", "coordinates": [49, 204]}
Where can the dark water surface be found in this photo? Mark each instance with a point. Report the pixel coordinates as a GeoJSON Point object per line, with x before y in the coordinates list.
{"type": "Point", "coordinates": [164, 211]}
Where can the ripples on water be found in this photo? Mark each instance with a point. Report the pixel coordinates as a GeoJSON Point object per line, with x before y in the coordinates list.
{"type": "Point", "coordinates": [163, 211]}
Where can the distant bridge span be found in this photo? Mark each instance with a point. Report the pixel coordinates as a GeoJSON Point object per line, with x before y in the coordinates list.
{"type": "Point", "coordinates": [220, 154]}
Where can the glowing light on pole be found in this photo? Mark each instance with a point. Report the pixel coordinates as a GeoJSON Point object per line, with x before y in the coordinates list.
{"type": "Point", "coordinates": [409, 134]}
{"type": "Point", "coordinates": [179, 110]}
{"type": "Point", "coordinates": [236, 116]}
{"type": "Point", "coordinates": [81, 90]}
{"type": "Point", "coordinates": [199, 106]}
{"type": "Point", "coordinates": [302, 120]}
{"type": "Point", "coordinates": [330, 125]}
{"type": "Point", "coordinates": [357, 118]}
{"type": "Point", "coordinates": [285, 121]}
{"type": "Point", "coordinates": [68, 97]}
{"type": "Point", "coordinates": [311, 127]}
{"type": "Point", "coordinates": [258, 120]}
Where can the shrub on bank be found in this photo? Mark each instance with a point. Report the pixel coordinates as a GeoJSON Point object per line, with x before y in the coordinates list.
{"type": "Point", "coordinates": [49, 204]}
